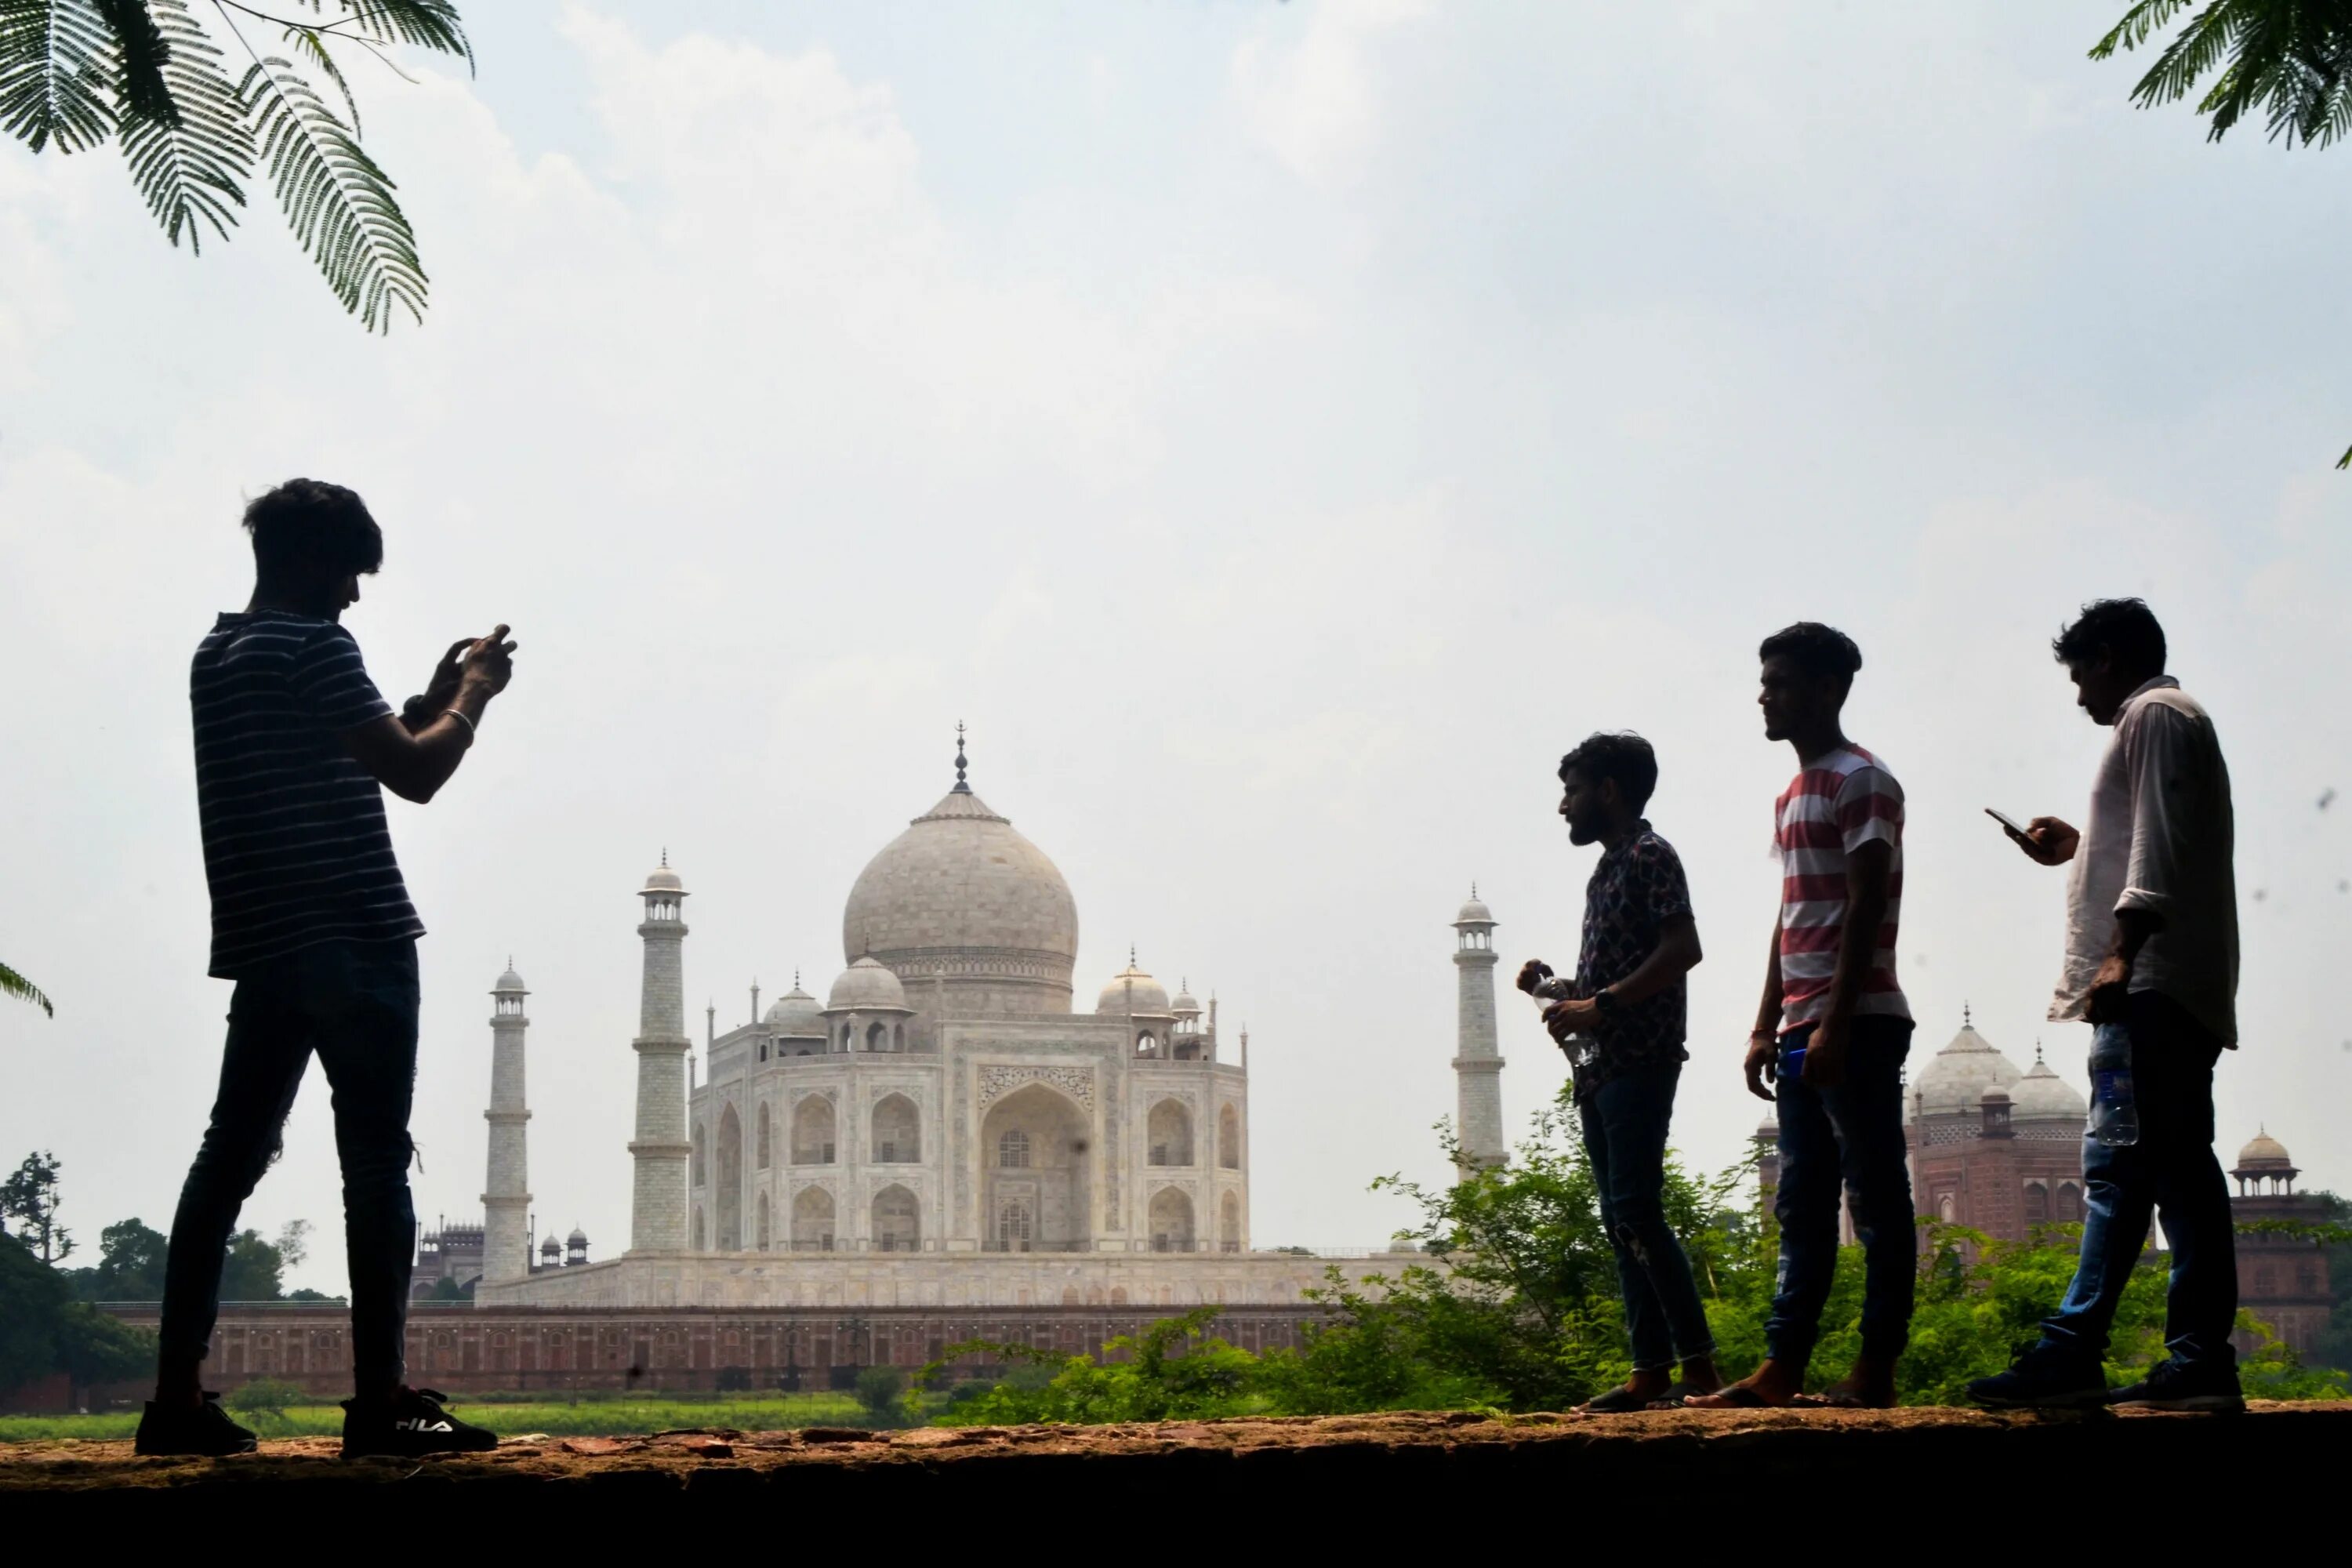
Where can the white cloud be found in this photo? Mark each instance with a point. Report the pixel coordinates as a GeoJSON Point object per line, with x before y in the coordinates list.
{"type": "Point", "coordinates": [1316, 102]}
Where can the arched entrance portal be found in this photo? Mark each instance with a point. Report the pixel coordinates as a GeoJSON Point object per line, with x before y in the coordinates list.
{"type": "Point", "coordinates": [1036, 1178]}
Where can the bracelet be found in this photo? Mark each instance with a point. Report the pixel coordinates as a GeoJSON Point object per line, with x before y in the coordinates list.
{"type": "Point", "coordinates": [471, 730]}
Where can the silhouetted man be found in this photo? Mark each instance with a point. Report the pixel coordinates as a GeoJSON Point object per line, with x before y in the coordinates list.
{"type": "Point", "coordinates": [2151, 945]}
{"type": "Point", "coordinates": [1832, 1031]}
{"type": "Point", "coordinates": [1623, 1025]}
{"type": "Point", "coordinates": [294, 747]}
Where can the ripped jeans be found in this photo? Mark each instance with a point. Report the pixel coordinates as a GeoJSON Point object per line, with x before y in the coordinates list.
{"type": "Point", "coordinates": [355, 1004]}
{"type": "Point", "coordinates": [1625, 1123]}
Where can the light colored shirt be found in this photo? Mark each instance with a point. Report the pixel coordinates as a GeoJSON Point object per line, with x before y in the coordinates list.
{"type": "Point", "coordinates": [2159, 838]}
{"type": "Point", "coordinates": [1833, 807]}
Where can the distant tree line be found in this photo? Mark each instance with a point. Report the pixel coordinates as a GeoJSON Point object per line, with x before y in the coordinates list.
{"type": "Point", "coordinates": [47, 1321]}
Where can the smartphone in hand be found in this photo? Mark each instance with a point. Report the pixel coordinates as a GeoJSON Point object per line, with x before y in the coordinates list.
{"type": "Point", "coordinates": [2008, 822]}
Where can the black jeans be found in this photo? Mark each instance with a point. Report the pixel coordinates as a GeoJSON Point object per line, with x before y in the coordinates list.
{"type": "Point", "coordinates": [1850, 1137]}
{"type": "Point", "coordinates": [1625, 1123]}
{"type": "Point", "coordinates": [2171, 1170]}
{"type": "Point", "coordinates": [355, 1004]}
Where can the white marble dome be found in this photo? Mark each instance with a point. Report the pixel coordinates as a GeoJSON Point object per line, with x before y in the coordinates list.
{"type": "Point", "coordinates": [2042, 1095]}
{"type": "Point", "coordinates": [962, 895]}
{"type": "Point", "coordinates": [1956, 1077]}
{"type": "Point", "coordinates": [1474, 911]}
{"type": "Point", "coordinates": [662, 879]}
{"type": "Point", "coordinates": [511, 980]}
{"type": "Point", "coordinates": [866, 986]}
{"type": "Point", "coordinates": [2263, 1152]}
{"type": "Point", "coordinates": [1146, 999]}
{"type": "Point", "coordinates": [795, 1013]}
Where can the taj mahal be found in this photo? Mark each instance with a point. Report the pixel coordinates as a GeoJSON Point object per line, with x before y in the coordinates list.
{"type": "Point", "coordinates": [943, 1128]}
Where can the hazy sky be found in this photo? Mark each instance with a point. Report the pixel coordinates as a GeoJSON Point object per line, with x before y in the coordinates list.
{"type": "Point", "coordinates": [1278, 431]}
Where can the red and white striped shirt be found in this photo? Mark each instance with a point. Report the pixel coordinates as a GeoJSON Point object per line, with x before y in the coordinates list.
{"type": "Point", "coordinates": [1835, 806]}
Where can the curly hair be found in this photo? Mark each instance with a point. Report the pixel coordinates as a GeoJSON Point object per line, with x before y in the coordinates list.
{"type": "Point", "coordinates": [1622, 756]}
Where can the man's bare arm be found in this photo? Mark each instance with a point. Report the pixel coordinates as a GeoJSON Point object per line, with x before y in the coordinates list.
{"type": "Point", "coordinates": [415, 767]}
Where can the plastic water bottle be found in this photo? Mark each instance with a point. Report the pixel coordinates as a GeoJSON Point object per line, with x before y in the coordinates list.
{"type": "Point", "coordinates": [2115, 1115]}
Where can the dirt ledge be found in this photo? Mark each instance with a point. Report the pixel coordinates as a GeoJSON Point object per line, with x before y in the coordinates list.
{"type": "Point", "coordinates": [1367, 1465]}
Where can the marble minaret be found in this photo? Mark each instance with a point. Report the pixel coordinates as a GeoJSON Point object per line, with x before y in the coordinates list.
{"type": "Point", "coordinates": [1478, 1059]}
{"type": "Point", "coordinates": [657, 1204]}
{"type": "Point", "coordinates": [505, 1190]}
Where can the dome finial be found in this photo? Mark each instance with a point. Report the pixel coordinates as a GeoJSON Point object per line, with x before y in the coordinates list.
{"type": "Point", "coordinates": [1965, 1023]}
{"type": "Point", "coordinates": [960, 786]}
{"type": "Point", "coordinates": [1131, 955]}
{"type": "Point", "coordinates": [664, 855]}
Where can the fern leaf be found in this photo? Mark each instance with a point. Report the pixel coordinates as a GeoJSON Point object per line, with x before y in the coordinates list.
{"type": "Point", "coordinates": [427, 24]}
{"type": "Point", "coordinates": [54, 59]}
{"type": "Point", "coordinates": [15, 984]}
{"type": "Point", "coordinates": [305, 41]}
{"type": "Point", "coordinates": [338, 201]}
{"type": "Point", "coordinates": [191, 169]}
{"type": "Point", "coordinates": [139, 53]}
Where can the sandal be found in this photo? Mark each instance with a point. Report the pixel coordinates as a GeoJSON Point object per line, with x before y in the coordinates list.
{"type": "Point", "coordinates": [1733, 1397]}
{"type": "Point", "coordinates": [1619, 1401]}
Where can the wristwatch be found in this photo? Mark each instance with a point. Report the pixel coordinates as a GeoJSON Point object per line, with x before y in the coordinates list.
{"type": "Point", "coordinates": [1604, 1001]}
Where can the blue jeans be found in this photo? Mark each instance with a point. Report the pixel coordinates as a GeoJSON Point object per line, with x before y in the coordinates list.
{"type": "Point", "coordinates": [2172, 1169]}
{"type": "Point", "coordinates": [355, 1004]}
{"type": "Point", "coordinates": [1849, 1138]}
{"type": "Point", "coordinates": [1625, 1138]}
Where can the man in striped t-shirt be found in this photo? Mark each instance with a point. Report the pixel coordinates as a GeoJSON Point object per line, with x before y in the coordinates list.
{"type": "Point", "coordinates": [1832, 1030]}
{"type": "Point", "coordinates": [311, 919]}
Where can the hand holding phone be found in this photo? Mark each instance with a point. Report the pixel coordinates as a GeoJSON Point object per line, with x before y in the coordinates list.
{"type": "Point", "coordinates": [2045, 839]}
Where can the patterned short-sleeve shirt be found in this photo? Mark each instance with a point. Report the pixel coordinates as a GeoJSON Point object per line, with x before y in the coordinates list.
{"type": "Point", "coordinates": [1635, 890]}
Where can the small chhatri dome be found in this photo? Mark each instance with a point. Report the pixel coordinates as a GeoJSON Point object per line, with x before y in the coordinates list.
{"type": "Point", "coordinates": [662, 879]}
{"type": "Point", "coordinates": [1957, 1076]}
{"type": "Point", "coordinates": [1185, 1005]}
{"type": "Point", "coordinates": [866, 986]}
{"type": "Point", "coordinates": [1475, 911]}
{"type": "Point", "coordinates": [551, 1247]}
{"type": "Point", "coordinates": [795, 1013]}
{"type": "Point", "coordinates": [2265, 1152]}
{"type": "Point", "coordinates": [2042, 1095]}
{"type": "Point", "coordinates": [1133, 991]}
{"type": "Point", "coordinates": [510, 980]}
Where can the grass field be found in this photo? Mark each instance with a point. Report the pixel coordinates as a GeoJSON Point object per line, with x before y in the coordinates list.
{"type": "Point", "coordinates": [589, 1418]}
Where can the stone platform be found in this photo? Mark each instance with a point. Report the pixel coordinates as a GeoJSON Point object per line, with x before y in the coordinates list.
{"type": "Point", "coordinates": [1411, 1471]}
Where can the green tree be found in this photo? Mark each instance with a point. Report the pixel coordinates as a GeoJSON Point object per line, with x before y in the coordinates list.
{"type": "Point", "coordinates": [880, 1390]}
{"type": "Point", "coordinates": [15, 984]}
{"type": "Point", "coordinates": [253, 1270]}
{"type": "Point", "coordinates": [152, 76]}
{"type": "Point", "coordinates": [2291, 60]}
{"type": "Point", "coordinates": [29, 1203]}
{"type": "Point", "coordinates": [32, 1297]}
{"type": "Point", "coordinates": [129, 1265]}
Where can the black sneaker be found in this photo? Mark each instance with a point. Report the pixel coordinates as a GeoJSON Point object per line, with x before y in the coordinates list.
{"type": "Point", "coordinates": [412, 1422]}
{"type": "Point", "coordinates": [206, 1431]}
{"type": "Point", "coordinates": [2176, 1385]}
{"type": "Point", "coordinates": [2040, 1381]}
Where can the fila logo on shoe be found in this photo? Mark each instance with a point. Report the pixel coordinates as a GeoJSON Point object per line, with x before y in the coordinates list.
{"type": "Point", "coordinates": [421, 1423]}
